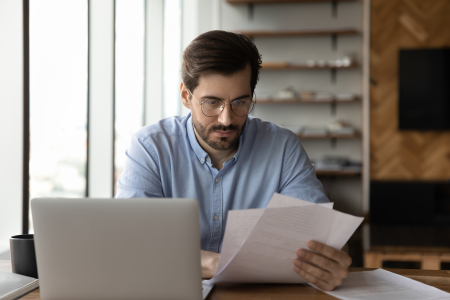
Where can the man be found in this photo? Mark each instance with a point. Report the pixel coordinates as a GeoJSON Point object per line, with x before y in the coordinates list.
{"type": "Point", "coordinates": [224, 158]}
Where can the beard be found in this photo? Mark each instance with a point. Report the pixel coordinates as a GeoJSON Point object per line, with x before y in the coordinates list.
{"type": "Point", "coordinates": [224, 143]}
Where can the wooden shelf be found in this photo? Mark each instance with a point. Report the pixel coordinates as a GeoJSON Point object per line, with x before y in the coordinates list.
{"type": "Point", "coordinates": [286, 66]}
{"type": "Point", "coordinates": [337, 173]}
{"type": "Point", "coordinates": [268, 33]}
{"type": "Point", "coordinates": [302, 101]}
{"type": "Point", "coordinates": [280, 1]}
{"type": "Point", "coordinates": [327, 136]}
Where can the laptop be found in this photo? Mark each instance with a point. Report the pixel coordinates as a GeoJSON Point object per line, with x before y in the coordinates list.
{"type": "Point", "coordinates": [117, 248]}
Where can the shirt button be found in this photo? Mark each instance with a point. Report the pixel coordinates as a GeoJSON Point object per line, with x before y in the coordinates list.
{"type": "Point", "coordinates": [217, 180]}
{"type": "Point", "coordinates": [201, 160]}
{"type": "Point", "coordinates": [207, 159]}
{"type": "Point", "coordinates": [216, 218]}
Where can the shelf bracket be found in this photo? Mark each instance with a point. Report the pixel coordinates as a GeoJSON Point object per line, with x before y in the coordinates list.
{"type": "Point", "coordinates": [334, 8]}
{"type": "Point", "coordinates": [334, 40]}
{"type": "Point", "coordinates": [333, 72]}
{"type": "Point", "coordinates": [251, 11]}
{"type": "Point", "coordinates": [333, 108]}
{"type": "Point", "coordinates": [333, 143]}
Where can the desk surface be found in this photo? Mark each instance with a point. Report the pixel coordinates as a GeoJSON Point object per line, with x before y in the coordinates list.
{"type": "Point", "coordinates": [222, 291]}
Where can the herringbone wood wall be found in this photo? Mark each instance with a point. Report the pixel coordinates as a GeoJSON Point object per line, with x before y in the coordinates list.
{"type": "Point", "coordinates": [407, 155]}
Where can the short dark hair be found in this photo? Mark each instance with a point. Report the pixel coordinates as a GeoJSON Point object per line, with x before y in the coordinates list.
{"type": "Point", "coordinates": [220, 52]}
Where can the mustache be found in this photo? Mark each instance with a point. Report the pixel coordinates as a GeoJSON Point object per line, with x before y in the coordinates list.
{"type": "Point", "coordinates": [224, 128]}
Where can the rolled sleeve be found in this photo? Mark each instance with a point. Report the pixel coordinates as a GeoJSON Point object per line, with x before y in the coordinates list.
{"type": "Point", "coordinates": [299, 178]}
{"type": "Point", "coordinates": [140, 177]}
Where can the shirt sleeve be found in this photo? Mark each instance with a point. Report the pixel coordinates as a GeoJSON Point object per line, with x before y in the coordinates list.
{"type": "Point", "coordinates": [141, 176]}
{"type": "Point", "coordinates": [298, 175]}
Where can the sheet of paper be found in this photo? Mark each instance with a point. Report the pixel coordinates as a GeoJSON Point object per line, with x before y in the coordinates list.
{"type": "Point", "coordinates": [267, 254]}
{"type": "Point", "coordinates": [279, 200]}
{"type": "Point", "coordinates": [240, 224]}
{"type": "Point", "coordinates": [206, 288]}
{"type": "Point", "coordinates": [381, 285]}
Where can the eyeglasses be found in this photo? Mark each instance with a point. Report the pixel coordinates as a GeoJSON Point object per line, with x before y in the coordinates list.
{"type": "Point", "coordinates": [213, 107]}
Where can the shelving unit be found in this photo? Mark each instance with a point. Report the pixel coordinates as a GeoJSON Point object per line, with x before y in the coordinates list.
{"type": "Point", "coordinates": [274, 101]}
{"type": "Point", "coordinates": [327, 136]}
{"type": "Point", "coordinates": [280, 1]}
{"type": "Point", "coordinates": [270, 33]}
{"type": "Point", "coordinates": [277, 30]}
{"type": "Point", "coordinates": [338, 173]}
{"type": "Point", "coordinates": [287, 66]}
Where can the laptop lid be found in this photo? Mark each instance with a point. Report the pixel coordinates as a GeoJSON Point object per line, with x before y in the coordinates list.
{"type": "Point", "coordinates": [117, 248]}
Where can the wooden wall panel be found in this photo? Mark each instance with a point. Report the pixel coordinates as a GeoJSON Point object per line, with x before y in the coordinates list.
{"type": "Point", "coordinates": [407, 155]}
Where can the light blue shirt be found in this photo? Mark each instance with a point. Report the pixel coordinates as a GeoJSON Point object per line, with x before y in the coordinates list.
{"type": "Point", "coordinates": [165, 160]}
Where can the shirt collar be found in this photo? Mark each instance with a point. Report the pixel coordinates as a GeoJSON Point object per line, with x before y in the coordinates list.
{"type": "Point", "coordinates": [198, 150]}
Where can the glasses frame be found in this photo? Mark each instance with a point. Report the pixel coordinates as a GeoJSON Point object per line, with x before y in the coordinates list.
{"type": "Point", "coordinates": [223, 107]}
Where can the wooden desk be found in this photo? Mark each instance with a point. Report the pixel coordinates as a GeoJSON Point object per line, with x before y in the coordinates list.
{"type": "Point", "coordinates": [222, 291]}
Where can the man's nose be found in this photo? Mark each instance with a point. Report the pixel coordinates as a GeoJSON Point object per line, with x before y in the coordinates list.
{"type": "Point", "coordinates": [226, 116]}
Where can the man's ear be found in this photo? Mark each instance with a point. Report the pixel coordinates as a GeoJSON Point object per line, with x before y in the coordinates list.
{"type": "Point", "coordinates": [184, 94]}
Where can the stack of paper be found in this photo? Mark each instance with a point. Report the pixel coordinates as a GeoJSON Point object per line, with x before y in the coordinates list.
{"type": "Point", "coordinates": [12, 285]}
{"type": "Point", "coordinates": [381, 284]}
{"type": "Point", "coordinates": [260, 245]}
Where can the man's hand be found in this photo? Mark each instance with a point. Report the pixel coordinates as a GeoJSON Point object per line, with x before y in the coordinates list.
{"type": "Point", "coordinates": [331, 265]}
{"type": "Point", "coordinates": [210, 260]}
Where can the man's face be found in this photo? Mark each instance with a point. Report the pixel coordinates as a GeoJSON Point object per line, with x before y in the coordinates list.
{"type": "Point", "coordinates": [221, 132]}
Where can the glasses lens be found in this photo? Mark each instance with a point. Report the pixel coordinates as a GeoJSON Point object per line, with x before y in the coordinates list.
{"type": "Point", "coordinates": [242, 107]}
{"type": "Point", "coordinates": [212, 108]}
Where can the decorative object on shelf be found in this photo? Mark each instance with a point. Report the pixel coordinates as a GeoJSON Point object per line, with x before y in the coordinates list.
{"type": "Point", "coordinates": [319, 97]}
{"type": "Point", "coordinates": [345, 61]}
{"type": "Point", "coordinates": [336, 129]}
{"type": "Point", "coordinates": [345, 97]}
{"type": "Point", "coordinates": [320, 64]}
{"type": "Point", "coordinates": [314, 130]}
{"type": "Point", "coordinates": [340, 127]}
{"type": "Point", "coordinates": [337, 164]}
{"type": "Point", "coordinates": [307, 95]}
{"type": "Point", "coordinates": [331, 163]}
{"type": "Point", "coordinates": [266, 98]}
{"type": "Point", "coordinates": [287, 93]}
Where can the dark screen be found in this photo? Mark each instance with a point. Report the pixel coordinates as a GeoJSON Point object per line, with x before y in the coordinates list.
{"type": "Point", "coordinates": [424, 89]}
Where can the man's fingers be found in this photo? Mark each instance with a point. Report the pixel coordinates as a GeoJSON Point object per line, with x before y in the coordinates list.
{"type": "Point", "coordinates": [319, 260]}
{"type": "Point", "coordinates": [313, 270]}
{"type": "Point", "coordinates": [326, 286]}
{"type": "Point", "coordinates": [340, 257]}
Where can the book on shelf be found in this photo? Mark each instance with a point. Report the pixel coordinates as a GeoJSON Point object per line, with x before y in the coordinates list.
{"type": "Point", "coordinates": [345, 97]}
{"type": "Point", "coordinates": [312, 130]}
{"type": "Point", "coordinates": [343, 131]}
{"type": "Point", "coordinates": [13, 286]}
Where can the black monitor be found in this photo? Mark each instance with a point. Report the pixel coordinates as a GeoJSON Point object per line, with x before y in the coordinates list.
{"type": "Point", "coordinates": [424, 89]}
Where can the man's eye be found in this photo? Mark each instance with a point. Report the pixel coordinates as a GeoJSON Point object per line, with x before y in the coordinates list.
{"type": "Point", "coordinates": [211, 102]}
{"type": "Point", "coordinates": [241, 102]}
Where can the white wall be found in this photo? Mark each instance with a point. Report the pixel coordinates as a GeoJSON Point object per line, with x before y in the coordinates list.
{"type": "Point", "coordinates": [11, 120]}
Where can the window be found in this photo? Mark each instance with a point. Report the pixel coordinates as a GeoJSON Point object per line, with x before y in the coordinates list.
{"type": "Point", "coordinates": [172, 57]}
{"type": "Point", "coordinates": [129, 83]}
{"type": "Point", "coordinates": [58, 98]}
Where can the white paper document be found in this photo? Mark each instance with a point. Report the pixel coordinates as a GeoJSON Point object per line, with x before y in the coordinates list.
{"type": "Point", "coordinates": [381, 285]}
{"type": "Point", "coordinates": [260, 245]}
